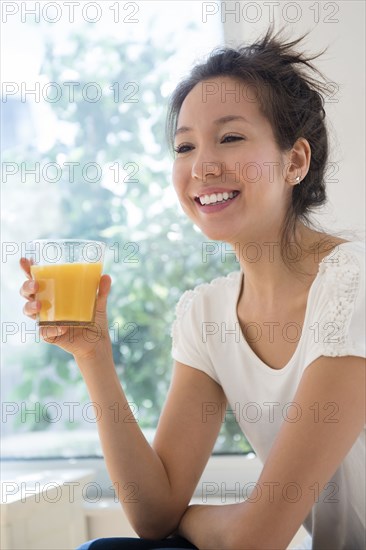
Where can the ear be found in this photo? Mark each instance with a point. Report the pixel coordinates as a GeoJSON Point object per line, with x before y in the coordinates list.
{"type": "Point", "coordinates": [298, 162]}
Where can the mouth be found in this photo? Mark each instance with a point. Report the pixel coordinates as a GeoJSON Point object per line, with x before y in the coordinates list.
{"type": "Point", "coordinates": [216, 198]}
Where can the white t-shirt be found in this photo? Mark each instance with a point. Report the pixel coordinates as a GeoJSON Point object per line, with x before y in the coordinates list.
{"type": "Point", "coordinates": [207, 336]}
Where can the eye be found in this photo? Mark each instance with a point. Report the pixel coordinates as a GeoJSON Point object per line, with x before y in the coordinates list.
{"type": "Point", "coordinates": [182, 148]}
{"type": "Point", "coordinates": [229, 138]}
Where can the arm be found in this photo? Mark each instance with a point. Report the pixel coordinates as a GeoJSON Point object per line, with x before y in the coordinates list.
{"type": "Point", "coordinates": [305, 454]}
{"type": "Point", "coordinates": [154, 484]}
{"type": "Point", "coordinates": [163, 476]}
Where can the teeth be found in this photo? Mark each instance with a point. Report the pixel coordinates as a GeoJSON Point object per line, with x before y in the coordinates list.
{"type": "Point", "coordinates": [216, 197]}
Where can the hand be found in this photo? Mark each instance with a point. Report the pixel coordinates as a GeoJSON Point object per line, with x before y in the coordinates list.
{"type": "Point", "coordinates": [208, 526]}
{"type": "Point", "coordinates": [81, 342]}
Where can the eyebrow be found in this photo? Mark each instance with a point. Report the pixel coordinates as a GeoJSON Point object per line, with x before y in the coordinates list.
{"type": "Point", "coordinates": [218, 122]}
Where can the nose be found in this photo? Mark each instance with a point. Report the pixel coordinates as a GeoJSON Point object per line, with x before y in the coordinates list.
{"type": "Point", "coordinates": [202, 168]}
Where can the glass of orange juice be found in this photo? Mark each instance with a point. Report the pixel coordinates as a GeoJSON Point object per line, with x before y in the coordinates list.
{"type": "Point", "coordinates": [68, 273]}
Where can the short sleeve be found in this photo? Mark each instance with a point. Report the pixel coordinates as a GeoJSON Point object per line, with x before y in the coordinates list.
{"type": "Point", "coordinates": [339, 327]}
{"type": "Point", "coordinates": [188, 346]}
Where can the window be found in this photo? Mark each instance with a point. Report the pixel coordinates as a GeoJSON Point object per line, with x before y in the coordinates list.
{"type": "Point", "coordinates": [84, 102]}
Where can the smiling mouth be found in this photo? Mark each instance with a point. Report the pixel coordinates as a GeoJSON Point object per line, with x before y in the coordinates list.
{"type": "Point", "coordinates": [216, 198]}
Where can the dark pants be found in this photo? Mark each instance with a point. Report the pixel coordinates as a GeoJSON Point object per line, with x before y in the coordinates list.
{"type": "Point", "coordinates": [171, 543]}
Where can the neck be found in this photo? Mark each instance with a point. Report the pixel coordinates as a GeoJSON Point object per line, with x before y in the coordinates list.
{"type": "Point", "coordinates": [268, 280]}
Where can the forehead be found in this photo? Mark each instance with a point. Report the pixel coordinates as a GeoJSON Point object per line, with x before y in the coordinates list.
{"type": "Point", "coordinates": [217, 97]}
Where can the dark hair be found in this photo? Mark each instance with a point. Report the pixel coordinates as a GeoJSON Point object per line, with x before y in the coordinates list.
{"type": "Point", "coordinates": [288, 97]}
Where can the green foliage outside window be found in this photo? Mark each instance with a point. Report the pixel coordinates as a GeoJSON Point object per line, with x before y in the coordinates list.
{"type": "Point", "coordinates": [154, 251]}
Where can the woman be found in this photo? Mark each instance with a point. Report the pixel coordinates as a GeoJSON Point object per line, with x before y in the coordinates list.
{"type": "Point", "coordinates": [286, 332]}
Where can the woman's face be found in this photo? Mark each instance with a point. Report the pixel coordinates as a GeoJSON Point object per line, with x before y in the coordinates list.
{"type": "Point", "coordinates": [228, 172]}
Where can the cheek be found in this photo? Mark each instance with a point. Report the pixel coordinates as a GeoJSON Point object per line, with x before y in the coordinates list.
{"type": "Point", "coordinates": [264, 169]}
{"type": "Point", "coordinates": [178, 177]}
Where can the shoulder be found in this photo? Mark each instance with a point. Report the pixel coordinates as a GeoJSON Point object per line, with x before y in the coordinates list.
{"type": "Point", "coordinates": [342, 271]}
{"type": "Point", "coordinates": [203, 304]}
{"type": "Point", "coordinates": [340, 308]}
{"type": "Point", "coordinates": [346, 253]}
{"type": "Point", "coordinates": [218, 290]}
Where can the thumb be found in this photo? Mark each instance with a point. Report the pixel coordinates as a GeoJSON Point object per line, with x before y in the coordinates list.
{"type": "Point", "coordinates": [103, 292]}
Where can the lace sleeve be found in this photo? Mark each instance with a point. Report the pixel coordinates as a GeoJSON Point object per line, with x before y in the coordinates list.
{"type": "Point", "coordinates": [181, 307]}
{"type": "Point", "coordinates": [342, 313]}
{"type": "Point", "coordinates": [188, 346]}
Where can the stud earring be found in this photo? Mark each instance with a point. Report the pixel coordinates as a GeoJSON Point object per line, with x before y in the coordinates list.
{"type": "Point", "coordinates": [298, 180]}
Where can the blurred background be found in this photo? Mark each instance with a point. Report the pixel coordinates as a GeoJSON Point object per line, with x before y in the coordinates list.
{"type": "Point", "coordinates": [92, 132]}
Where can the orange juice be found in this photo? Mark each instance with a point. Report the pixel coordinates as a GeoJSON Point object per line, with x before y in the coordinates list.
{"type": "Point", "coordinates": [67, 292]}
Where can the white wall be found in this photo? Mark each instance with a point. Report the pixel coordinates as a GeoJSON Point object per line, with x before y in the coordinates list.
{"type": "Point", "coordinates": [340, 26]}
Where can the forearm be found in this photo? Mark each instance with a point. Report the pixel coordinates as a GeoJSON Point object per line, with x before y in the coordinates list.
{"type": "Point", "coordinates": [138, 474]}
{"type": "Point", "coordinates": [211, 527]}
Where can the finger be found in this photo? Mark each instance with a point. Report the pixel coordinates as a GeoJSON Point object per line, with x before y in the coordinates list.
{"type": "Point", "coordinates": [28, 289]}
{"type": "Point", "coordinates": [104, 288]}
{"type": "Point", "coordinates": [52, 335]}
{"type": "Point", "coordinates": [25, 264]}
{"type": "Point", "coordinates": [31, 309]}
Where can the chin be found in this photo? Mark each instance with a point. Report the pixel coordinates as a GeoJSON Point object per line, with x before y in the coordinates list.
{"type": "Point", "coordinates": [218, 236]}
{"type": "Point", "coordinates": [216, 231]}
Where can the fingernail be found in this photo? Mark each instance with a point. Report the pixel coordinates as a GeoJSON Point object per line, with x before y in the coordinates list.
{"type": "Point", "coordinates": [51, 332]}
{"type": "Point", "coordinates": [34, 305]}
{"type": "Point", "coordinates": [32, 285]}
